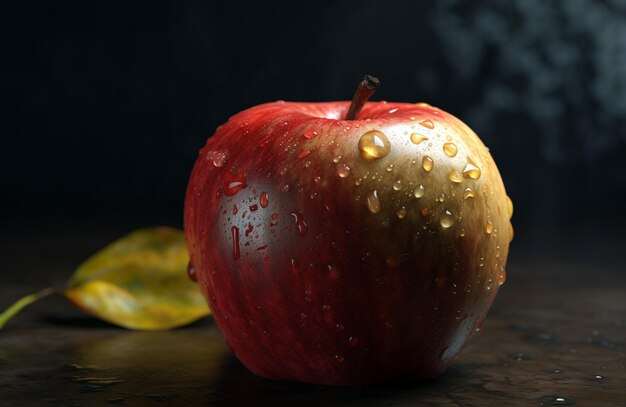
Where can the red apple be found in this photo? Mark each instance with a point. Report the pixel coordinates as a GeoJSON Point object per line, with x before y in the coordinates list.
{"type": "Point", "coordinates": [347, 251]}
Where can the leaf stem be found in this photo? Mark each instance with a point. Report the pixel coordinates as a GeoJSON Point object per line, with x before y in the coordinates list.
{"type": "Point", "coordinates": [23, 302]}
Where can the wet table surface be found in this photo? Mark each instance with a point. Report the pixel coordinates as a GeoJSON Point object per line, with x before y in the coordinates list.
{"type": "Point", "coordinates": [546, 341]}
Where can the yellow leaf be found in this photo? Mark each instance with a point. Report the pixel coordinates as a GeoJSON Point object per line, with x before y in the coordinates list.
{"type": "Point", "coordinates": [140, 282]}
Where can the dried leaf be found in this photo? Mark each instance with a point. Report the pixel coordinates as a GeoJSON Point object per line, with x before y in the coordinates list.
{"type": "Point", "coordinates": [139, 282]}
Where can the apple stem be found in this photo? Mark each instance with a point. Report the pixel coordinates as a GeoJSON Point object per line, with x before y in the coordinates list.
{"type": "Point", "coordinates": [366, 88]}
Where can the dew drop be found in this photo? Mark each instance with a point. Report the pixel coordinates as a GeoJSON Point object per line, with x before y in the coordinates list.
{"type": "Point", "coordinates": [234, 183]}
{"type": "Point", "coordinates": [218, 158]}
{"type": "Point", "coordinates": [509, 206]}
{"type": "Point", "coordinates": [353, 341]}
{"type": "Point", "coordinates": [191, 273]}
{"type": "Point", "coordinates": [427, 163]}
{"type": "Point", "coordinates": [264, 200]}
{"type": "Point", "coordinates": [397, 185]}
{"type": "Point", "coordinates": [401, 213]}
{"type": "Point", "coordinates": [304, 153]}
{"type": "Point", "coordinates": [489, 227]}
{"type": "Point", "coordinates": [339, 358]}
{"type": "Point", "coordinates": [556, 401]}
{"type": "Point", "coordinates": [393, 110]}
{"type": "Point", "coordinates": [450, 149]}
{"type": "Point", "coordinates": [389, 168]}
{"type": "Point", "coordinates": [502, 278]}
{"type": "Point", "coordinates": [428, 124]}
{"type": "Point", "coordinates": [520, 356]}
{"type": "Point", "coordinates": [446, 219]}
{"type": "Point", "coordinates": [343, 170]}
{"type": "Point", "coordinates": [597, 378]}
{"type": "Point", "coordinates": [309, 134]}
{"type": "Point", "coordinates": [336, 159]}
{"type": "Point", "coordinates": [417, 138]}
{"type": "Point", "coordinates": [471, 171]}
{"type": "Point", "coordinates": [300, 223]}
{"type": "Point", "coordinates": [374, 144]}
{"type": "Point", "coordinates": [372, 202]}
{"type": "Point", "coordinates": [455, 176]}
{"type": "Point", "coordinates": [234, 232]}
{"type": "Point", "coordinates": [468, 193]}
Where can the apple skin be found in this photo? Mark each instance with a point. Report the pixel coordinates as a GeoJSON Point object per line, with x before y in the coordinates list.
{"type": "Point", "coordinates": [314, 277]}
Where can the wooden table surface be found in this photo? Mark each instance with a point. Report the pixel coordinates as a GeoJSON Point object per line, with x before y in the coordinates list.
{"type": "Point", "coordinates": [548, 340]}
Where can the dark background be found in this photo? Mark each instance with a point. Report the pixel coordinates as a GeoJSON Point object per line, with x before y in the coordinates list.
{"type": "Point", "coordinates": [105, 107]}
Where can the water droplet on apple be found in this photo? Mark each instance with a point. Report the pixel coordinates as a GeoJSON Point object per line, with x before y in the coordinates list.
{"type": "Point", "coordinates": [427, 163]}
{"type": "Point", "coordinates": [417, 138]}
{"type": "Point", "coordinates": [397, 185]}
{"type": "Point", "coordinates": [372, 202]}
{"type": "Point", "coordinates": [455, 176]}
{"type": "Point", "coordinates": [234, 183]}
{"type": "Point", "coordinates": [264, 200]}
{"type": "Point", "coordinates": [191, 273]}
{"type": "Point", "coordinates": [353, 341]}
{"type": "Point", "coordinates": [509, 207]}
{"type": "Point", "coordinates": [334, 272]}
{"type": "Point", "coordinates": [339, 358]}
{"type": "Point", "coordinates": [343, 170]}
{"type": "Point", "coordinates": [428, 124]}
{"type": "Point", "coordinates": [389, 168]}
{"type": "Point", "coordinates": [234, 232]}
{"type": "Point", "coordinates": [336, 159]}
{"type": "Point", "coordinates": [218, 157]}
{"type": "Point", "coordinates": [254, 207]}
{"type": "Point", "coordinates": [471, 171]}
{"type": "Point", "coordinates": [300, 223]}
{"type": "Point", "coordinates": [374, 144]}
{"type": "Point", "coordinates": [489, 227]}
{"type": "Point", "coordinates": [401, 213]}
{"type": "Point", "coordinates": [468, 193]}
{"type": "Point", "coordinates": [309, 134]}
{"type": "Point", "coordinates": [446, 219]}
{"type": "Point", "coordinates": [418, 192]}
{"type": "Point", "coordinates": [304, 153]}
{"type": "Point", "coordinates": [393, 110]}
{"type": "Point", "coordinates": [450, 149]}
{"type": "Point", "coordinates": [283, 124]}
